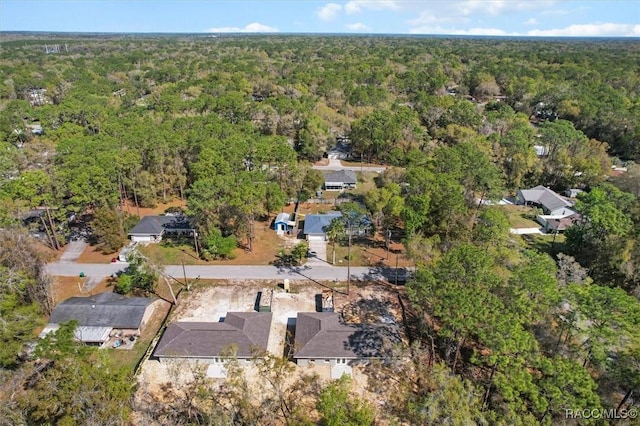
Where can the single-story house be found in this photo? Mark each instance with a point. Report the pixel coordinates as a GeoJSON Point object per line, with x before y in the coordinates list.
{"type": "Point", "coordinates": [283, 223]}
{"type": "Point", "coordinates": [322, 338]}
{"type": "Point", "coordinates": [150, 229]}
{"type": "Point", "coordinates": [207, 342]}
{"type": "Point", "coordinates": [549, 201]}
{"type": "Point", "coordinates": [340, 180]}
{"type": "Point", "coordinates": [315, 225]}
{"type": "Point", "coordinates": [102, 316]}
{"type": "Point", "coordinates": [555, 224]}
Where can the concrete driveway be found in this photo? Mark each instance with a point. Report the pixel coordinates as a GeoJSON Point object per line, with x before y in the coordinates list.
{"type": "Point", "coordinates": [73, 251]}
{"type": "Point", "coordinates": [317, 252]}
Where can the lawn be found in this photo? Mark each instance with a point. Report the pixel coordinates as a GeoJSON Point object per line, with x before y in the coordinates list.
{"type": "Point", "coordinates": [520, 216]}
{"type": "Point", "coordinates": [367, 252]}
{"type": "Point", "coordinates": [266, 245]}
{"type": "Point", "coordinates": [545, 243]}
{"type": "Point", "coordinates": [131, 357]}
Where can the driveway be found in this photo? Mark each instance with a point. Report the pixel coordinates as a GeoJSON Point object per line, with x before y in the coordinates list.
{"type": "Point", "coordinates": [73, 251]}
{"type": "Point", "coordinates": [317, 252]}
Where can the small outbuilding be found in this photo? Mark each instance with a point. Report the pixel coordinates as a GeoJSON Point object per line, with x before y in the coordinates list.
{"type": "Point", "coordinates": [283, 223]}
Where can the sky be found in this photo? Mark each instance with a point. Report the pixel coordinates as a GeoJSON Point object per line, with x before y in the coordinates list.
{"type": "Point", "coordinates": [547, 18]}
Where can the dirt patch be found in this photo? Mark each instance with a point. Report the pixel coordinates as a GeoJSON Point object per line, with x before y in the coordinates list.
{"type": "Point", "coordinates": [66, 287]}
{"type": "Point", "coordinates": [373, 303]}
{"type": "Point", "coordinates": [91, 254]}
{"type": "Point", "coordinates": [131, 208]}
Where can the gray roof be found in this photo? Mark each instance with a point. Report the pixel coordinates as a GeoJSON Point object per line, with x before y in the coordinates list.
{"type": "Point", "coordinates": [283, 218]}
{"type": "Point", "coordinates": [322, 335]}
{"type": "Point", "coordinates": [102, 310]}
{"type": "Point", "coordinates": [245, 330]}
{"type": "Point", "coordinates": [545, 197]}
{"type": "Point", "coordinates": [341, 176]}
{"type": "Point", "coordinates": [315, 223]}
{"type": "Point", "coordinates": [156, 225]}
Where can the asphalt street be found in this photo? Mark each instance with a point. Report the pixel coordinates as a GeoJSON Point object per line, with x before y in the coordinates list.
{"type": "Point", "coordinates": [240, 272]}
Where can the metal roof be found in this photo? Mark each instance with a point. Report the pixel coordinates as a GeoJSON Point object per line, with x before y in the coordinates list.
{"type": "Point", "coordinates": [245, 330]}
{"type": "Point", "coordinates": [315, 223]}
{"type": "Point", "coordinates": [322, 335]}
{"type": "Point", "coordinates": [102, 310]}
{"type": "Point", "coordinates": [283, 218]}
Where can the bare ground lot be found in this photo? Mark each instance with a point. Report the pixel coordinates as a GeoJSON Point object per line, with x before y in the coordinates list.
{"type": "Point", "coordinates": [366, 302]}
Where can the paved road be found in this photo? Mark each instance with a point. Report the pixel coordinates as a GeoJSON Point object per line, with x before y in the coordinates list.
{"type": "Point", "coordinates": [240, 272]}
{"type": "Point", "coordinates": [335, 164]}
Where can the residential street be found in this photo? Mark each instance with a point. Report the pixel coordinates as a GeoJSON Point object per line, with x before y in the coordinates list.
{"type": "Point", "coordinates": [247, 272]}
{"type": "Point", "coordinates": [335, 164]}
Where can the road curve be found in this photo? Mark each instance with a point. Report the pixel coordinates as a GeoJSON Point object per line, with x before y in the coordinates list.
{"type": "Point", "coordinates": [239, 272]}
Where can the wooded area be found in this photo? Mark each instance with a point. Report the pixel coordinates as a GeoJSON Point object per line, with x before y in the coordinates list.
{"type": "Point", "coordinates": [502, 331]}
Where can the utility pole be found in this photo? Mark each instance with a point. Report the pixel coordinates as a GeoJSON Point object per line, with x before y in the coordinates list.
{"type": "Point", "coordinates": [195, 242]}
{"type": "Point", "coordinates": [388, 241]}
{"type": "Point", "coordinates": [396, 269]}
{"type": "Point", "coordinates": [349, 256]}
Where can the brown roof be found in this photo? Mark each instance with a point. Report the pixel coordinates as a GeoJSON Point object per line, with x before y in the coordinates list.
{"type": "Point", "coordinates": [323, 335]}
{"type": "Point", "coordinates": [245, 330]}
{"type": "Point", "coordinates": [565, 222]}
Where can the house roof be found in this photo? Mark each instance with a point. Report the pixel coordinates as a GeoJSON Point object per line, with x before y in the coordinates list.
{"type": "Point", "coordinates": [341, 176]}
{"type": "Point", "coordinates": [245, 330]}
{"type": "Point", "coordinates": [85, 334]}
{"type": "Point", "coordinates": [323, 335]}
{"type": "Point", "coordinates": [544, 196]}
{"type": "Point", "coordinates": [560, 224]}
{"type": "Point", "coordinates": [315, 223]}
{"type": "Point", "coordinates": [283, 218]}
{"type": "Point", "coordinates": [156, 225]}
{"type": "Point", "coordinates": [102, 310]}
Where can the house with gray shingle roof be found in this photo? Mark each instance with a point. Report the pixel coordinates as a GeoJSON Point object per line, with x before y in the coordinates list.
{"type": "Point", "coordinates": [340, 180]}
{"type": "Point", "coordinates": [322, 338]}
{"type": "Point", "coordinates": [151, 229]}
{"type": "Point", "coordinates": [208, 342]}
{"type": "Point", "coordinates": [102, 316]}
{"type": "Point", "coordinates": [549, 201]}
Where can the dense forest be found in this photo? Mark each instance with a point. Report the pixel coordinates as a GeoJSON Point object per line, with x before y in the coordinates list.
{"type": "Point", "coordinates": [502, 330]}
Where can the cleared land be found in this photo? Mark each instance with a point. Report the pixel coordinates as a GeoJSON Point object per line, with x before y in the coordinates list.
{"type": "Point", "coordinates": [211, 302]}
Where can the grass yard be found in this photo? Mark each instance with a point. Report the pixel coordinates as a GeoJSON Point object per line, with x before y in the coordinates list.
{"type": "Point", "coordinates": [131, 357]}
{"type": "Point", "coordinates": [366, 252]}
{"type": "Point", "coordinates": [520, 216]}
{"type": "Point", "coordinates": [545, 243]}
{"type": "Point", "coordinates": [266, 245]}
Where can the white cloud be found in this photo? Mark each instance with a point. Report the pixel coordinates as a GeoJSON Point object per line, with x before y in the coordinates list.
{"type": "Point", "coordinates": [329, 11]}
{"type": "Point", "coordinates": [254, 27]}
{"type": "Point", "coordinates": [591, 30]}
{"type": "Point", "coordinates": [463, 11]}
{"type": "Point", "coordinates": [358, 26]}
{"type": "Point", "coordinates": [530, 21]}
{"type": "Point", "coordinates": [454, 31]}
{"type": "Point", "coordinates": [357, 6]}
